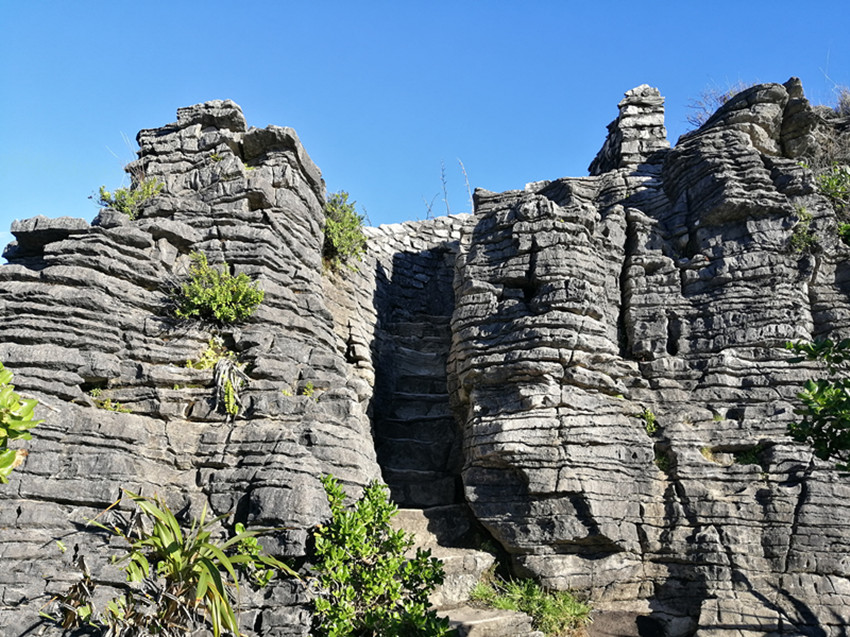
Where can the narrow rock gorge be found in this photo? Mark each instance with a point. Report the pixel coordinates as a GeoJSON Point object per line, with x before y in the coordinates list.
{"type": "Point", "coordinates": [506, 361]}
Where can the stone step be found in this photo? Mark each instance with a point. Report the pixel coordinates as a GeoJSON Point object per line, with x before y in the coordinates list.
{"type": "Point", "coordinates": [436, 529]}
{"type": "Point", "coordinates": [401, 412]}
{"type": "Point", "coordinates": [447, 525]}
{"type": "Point", "coordinates": [488, 622]}
{"type": "Point", "coordinates": [463, 568]}
{"type": "Point", "coordinates": [412, 488]}
{"type": "Point", "coordinates": [398, 453]}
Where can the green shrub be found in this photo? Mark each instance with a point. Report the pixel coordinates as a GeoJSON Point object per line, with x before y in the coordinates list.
{"type": "Point", "coordinates": [216, 295]}
{"type": "Point", "coordinates": [128, 200]}
{"type": "Point", "coordinates": [344, 238]}
{"type": "Point", "coordinates": [825, 411]}
{"type": "Point", "coordinates": [16, 419]}
{"type": "Point", "coordinates": [753, 455]}
{"type": "Point", "coordinates": [844, 233]}
{"type": "Point", "coordinates": [556, 613]}
{"type": "Point", "coordinates": [366, 584]}
{"type": "Point", "coordinates": [803, 238]}
{"type": "Point", "coordinates": [650, 423]}
{"type": "Point", "coordinates": [835, 184]}
{"type": "Point", "coordinates": [177, 577]}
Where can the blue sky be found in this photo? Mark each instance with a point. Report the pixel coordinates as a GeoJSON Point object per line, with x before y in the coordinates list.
{"type": "Point", "coordinates": [381, 93]}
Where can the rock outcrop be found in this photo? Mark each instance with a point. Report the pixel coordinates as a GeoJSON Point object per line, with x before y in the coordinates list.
{"type": "Point", "coordinates": [500, 360]}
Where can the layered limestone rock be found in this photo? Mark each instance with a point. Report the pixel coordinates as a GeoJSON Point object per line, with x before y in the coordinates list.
{"type": "Point", "coordinates": [86, 307]}
{"type": "Point", "coordinates": [665, 283]}
{"type": "Point", "coordinates": [511, 359]}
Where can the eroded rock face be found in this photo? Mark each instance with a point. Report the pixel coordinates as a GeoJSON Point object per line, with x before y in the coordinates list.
{"type": "Point", "coordinates": [665, 283]}
{"type": "Point", "coordinates": [502, 358]}
{"type": "Point", "coordinates": [86, 307]}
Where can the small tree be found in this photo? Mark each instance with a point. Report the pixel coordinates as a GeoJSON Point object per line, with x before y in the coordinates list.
{"type": "Point", "coordinates": [344, 238]}
{"type": "Point", "coordinates": [366, 583]}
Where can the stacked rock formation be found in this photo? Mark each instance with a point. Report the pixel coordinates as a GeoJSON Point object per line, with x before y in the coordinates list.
{"type": "Point", "coordinates": [595, 366]}
{"type": "Point", "coordinates": [86, 307]}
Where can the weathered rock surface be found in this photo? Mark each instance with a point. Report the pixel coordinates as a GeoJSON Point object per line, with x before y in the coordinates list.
{"type": "Point", "coordinates": [499, 359]}
{"type": "Point", "coordinates": [86, 306]}
{"type": "Point", "coordinates": [665, 283]}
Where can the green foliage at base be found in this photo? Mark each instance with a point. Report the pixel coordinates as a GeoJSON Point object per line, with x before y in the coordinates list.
{"type": "Point", "coordinates": [825, 411]}
{"type": "Point", "coordinates": [344, 238]}
{"type": "Point", "coordinates": [177, 577]}
{"type": "Point", "coordinates": [216, 295]}
{"type": "Point", "coordinates": [128, 200]}
{"type": "Point", "coordinates": [556, 613]}
{"type": "Point", "coordinates": [366, 583]}
{"type": "Point", "coordinates": [16, 419]}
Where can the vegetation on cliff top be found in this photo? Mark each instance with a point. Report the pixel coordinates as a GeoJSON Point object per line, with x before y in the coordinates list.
{"type": "Point", "coordinates": [344, 238]}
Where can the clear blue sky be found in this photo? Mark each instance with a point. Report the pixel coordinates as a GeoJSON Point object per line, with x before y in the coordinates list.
{"type": "Point", "coordinates": [380, 92]}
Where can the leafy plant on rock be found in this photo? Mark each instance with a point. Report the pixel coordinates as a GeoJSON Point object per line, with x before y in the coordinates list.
{"type": "Point", "coordinates": [803, 238]}
{"type": "Point", "coordinates": [229, 379]}
{"type": "Point", "coordinates": [835, 184]}
{"type": "Point", "coordinates": [555, 613]}
{"type": "Point", "coordinates": [825, 411]}
{"type": "Point", "coordinates": [177, 577]}
{"type": "Point", "coordinates": [128, 200]}
{"type": "Point", "coordinates": [367, 584]}
{"type": "Point", "coordinates": [16, 419]}
{"type": "Point", "coordinates": [650, 421]}
{"type": "Point", "coordinates": [215, 295]}
{"type": "Point", "coordinates": [344, 238]}
{"type": "Point", "coordinates": [216, 350]}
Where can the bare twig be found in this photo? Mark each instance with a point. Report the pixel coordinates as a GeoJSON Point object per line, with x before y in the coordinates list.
{"type": "Point", "coordinates": [444, 181]}
{"type": "Point", "coordinates": [466, 181]}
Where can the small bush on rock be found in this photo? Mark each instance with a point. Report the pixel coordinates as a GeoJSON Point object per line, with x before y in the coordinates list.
{"type": "Point", "coordinates": [825, 411]}
{"type": "Point", "coordinates": [16, 419]}
{"type": "Point", "coordinates": [344, 238]}
{"type": "Point", "coordinates": [835, 184]}
{"type": "Point", "coordinates": [216, 295]}
{"type": "Point", "coordinates": [128, 200]}
{"type": "Point", "coordinates": [366, 583]}
{"type": "Point", "coordinates": [803, 238]}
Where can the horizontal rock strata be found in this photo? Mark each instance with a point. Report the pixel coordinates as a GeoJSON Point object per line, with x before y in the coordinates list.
{"type": "Point", "coordinates": [595, 366]}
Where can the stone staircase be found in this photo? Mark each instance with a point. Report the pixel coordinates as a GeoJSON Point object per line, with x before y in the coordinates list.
{"type": "Point", "coordinates": [416, 438]}
{"type": "Point", "coordinates": [442, 530]}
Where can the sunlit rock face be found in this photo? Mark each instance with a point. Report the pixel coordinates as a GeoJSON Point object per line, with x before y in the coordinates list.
{"type": "Point", "coordinates": [595, 365]}
{"type": "Point", "coordinates": [86, 307]}
{"type": "Point", "coordinates": [666, 282]}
